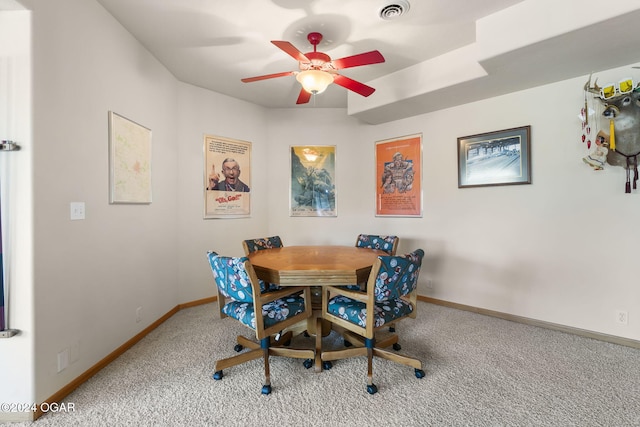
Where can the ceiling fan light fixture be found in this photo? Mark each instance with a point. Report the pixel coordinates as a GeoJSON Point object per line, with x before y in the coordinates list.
{"type": "Point", "coordinates": [314, 81]}
{"type": "Point", "coordinates": [394, 10]}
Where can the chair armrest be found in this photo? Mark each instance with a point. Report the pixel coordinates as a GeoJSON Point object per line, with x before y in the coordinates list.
{"type": "Point", "coordinates": [356, 295]}
{"type": "Point", "coordinates": [281, 293]}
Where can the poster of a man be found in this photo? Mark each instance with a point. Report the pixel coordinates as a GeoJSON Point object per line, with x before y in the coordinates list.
{"type": "Point", "coordinates": [226, 160]}
{"type": "Point", "coordinates": [231, 181]}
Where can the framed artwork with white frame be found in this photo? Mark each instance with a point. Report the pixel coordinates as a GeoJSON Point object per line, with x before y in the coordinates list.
{"type": "Point", "coordinates": [227, 178]}
{"type": "Point", "coordinates": [129, 161]}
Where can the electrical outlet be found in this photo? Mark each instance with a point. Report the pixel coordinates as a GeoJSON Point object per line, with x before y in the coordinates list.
{"type": "Point", "coordinates": [138, 314]}
{"type": "Point", "coordinates": [429, 283]}
{"type": "Point", "coordinates": [622, 317]}
{"type": "Point", "coordinates": [77, 210]}
{"type": "Point", "coordinates": [63, 359]}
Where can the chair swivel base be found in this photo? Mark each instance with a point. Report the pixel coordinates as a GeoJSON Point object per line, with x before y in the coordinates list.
{"type": "Point", "coordinates": [351, 339]}
{"type": "Point", "coordinates": [266, 389]}
{"type": "Point", "coordinates": [257, 350]}
{"type": "Point", "coordinates": [395, 345]}
{"type": "Point", "coordinates": [283, 340]}
{"type": "Point", "coordinates": [373, 389]}
{"type": "Point", "coordinates": [370, 352]}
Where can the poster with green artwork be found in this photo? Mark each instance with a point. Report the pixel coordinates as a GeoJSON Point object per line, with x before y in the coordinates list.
{"type": "Point", "coordinates": [313, 177]}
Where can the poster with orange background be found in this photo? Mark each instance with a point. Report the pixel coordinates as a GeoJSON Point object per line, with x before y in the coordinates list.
{"type": "Point", "coordinates": [399, 176]}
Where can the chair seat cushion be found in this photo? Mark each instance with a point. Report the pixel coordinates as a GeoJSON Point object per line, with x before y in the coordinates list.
{"type": "Point", "coordinates": [356, 312]}
{"type": "Point", "coordinates": [272, 313]}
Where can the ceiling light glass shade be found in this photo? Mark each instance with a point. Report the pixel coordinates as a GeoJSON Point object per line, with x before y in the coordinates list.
{"type": "Point", "coordinates": [314, 81]}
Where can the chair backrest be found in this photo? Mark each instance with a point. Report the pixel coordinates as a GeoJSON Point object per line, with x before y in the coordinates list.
{"type": "Point", "coordinates": [259, 244]}
{"type": "Point", "coordinates": [231, 276]}
{"type": "Point", "coordinates": [389, 244]}
{"type": "Point", "coordinates": [397, 276]}
{"type": "Point", "coordinates": [239, 297]}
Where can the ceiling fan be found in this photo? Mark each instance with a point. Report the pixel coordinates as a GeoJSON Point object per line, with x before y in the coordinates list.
{"type": "Point", "coordinates": [317, 70]}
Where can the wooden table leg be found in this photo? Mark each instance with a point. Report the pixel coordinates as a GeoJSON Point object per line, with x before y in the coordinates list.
{"type": "Point", "coordinates": [318, 344]}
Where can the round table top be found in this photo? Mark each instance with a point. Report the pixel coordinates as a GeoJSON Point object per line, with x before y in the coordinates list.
{"type": "Point", "coordinates": [314, 265]}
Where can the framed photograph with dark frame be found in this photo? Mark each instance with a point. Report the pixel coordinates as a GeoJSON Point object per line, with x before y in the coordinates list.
{"type": "Point", "coordinates": [495, 158]}
{"type": "Point", "coordinates": [313, 177]}
{"type": "Point", "coordinates": [129, 161]}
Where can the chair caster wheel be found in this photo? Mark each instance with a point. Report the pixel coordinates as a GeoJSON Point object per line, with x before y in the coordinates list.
{"type": "Point", "coordinates": [238, 348]}
{"type": "Point", "coordinates": [392, 329]}
{"type": "Point", "coordinates": [419, 373]}
{"type": "Point", "coordinates": [372, 389]}
{"type": "Point", "coordinates": [326, 365]}
{"type": "Point", "coordinates": [347, 343]}
{"type": "Point", "coordinates": [307, 363]}
{"type": "Point", "coordinates": [266, 389]}
{"type": "Point", "coordinates": [217, 375]}
{"type": "Point", "coordinates": [397, 347]}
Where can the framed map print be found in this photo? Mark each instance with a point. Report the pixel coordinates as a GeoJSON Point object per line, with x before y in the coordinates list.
{"type": "Point", "coordinates": [129, 161]}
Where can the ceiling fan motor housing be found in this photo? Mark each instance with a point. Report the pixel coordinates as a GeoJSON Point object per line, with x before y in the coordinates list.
{"type": "Point", "coordinates": [317, 60]}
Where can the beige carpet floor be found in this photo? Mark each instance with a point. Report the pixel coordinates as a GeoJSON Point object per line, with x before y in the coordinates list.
{"type": "Point", "coordinates": [480, 371]}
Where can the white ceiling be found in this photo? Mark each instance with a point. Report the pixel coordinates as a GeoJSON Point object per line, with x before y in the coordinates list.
{"type": "Point", "coordinates": [213, 44]}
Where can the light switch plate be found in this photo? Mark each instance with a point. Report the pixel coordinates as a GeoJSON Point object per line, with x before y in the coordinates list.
{"type": "Point", "coordinates": [77, 210]}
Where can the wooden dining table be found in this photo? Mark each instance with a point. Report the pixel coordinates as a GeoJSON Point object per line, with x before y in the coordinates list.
{"type": "Point", "coordinates": [315, 266]}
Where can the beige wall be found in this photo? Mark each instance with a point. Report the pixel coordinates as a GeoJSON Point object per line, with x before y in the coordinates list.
{"type": "Point", "coordinates": [90, 276]}
{"type": "Point", "coordinates": [202, 113]}
{"type": "Point", "coordinates": [561, 250]}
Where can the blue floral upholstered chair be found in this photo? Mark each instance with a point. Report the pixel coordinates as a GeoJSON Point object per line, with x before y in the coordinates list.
{"type": "Point", "coordinates": [389, 298]}
{"type": "Point", "coordinates": [389, 244]}
{"type": "Point", "coordinates": [238, 297]}
{"type": "Point", "coordinates": [260, 244]}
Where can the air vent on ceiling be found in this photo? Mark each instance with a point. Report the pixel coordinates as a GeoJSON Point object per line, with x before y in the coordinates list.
{"type": "Point", "coordinates": [394, 10]}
